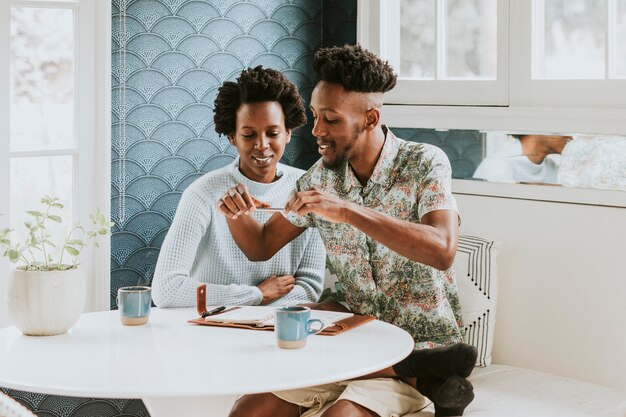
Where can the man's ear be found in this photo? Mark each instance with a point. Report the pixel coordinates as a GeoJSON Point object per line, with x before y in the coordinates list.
{"type": "Point", "coordinates": [231, 139]}
{"type": "Point", "coordinates": [372, 118]}
{"type": "Point", "coordinates": [288, 136]}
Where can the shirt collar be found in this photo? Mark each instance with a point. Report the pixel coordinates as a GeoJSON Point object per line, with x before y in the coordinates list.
{"type": "Point", "coordinates": [384, 163]}
{"type": "Point", "coordinates": [386, 158]}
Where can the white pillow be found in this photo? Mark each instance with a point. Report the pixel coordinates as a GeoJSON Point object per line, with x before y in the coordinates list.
{"type": "Point", "coordinates": [477, 281]}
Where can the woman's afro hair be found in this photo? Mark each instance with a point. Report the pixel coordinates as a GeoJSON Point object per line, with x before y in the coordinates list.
{"type": "Point", "coordinates": [255, 85]}
{"type": "Point", "coordinates": [355, 68]}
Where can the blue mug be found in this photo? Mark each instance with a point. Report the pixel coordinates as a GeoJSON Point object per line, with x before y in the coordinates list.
{"type": "Point", "coordinates": [134, 305]}
{"type": "Point", "coordinates": [293, 325]}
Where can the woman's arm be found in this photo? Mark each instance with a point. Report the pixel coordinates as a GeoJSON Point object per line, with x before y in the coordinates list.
{"type": "Point", "coordinates": [173, 285]}
{"type": "Point", "coordinates": [309, 272]}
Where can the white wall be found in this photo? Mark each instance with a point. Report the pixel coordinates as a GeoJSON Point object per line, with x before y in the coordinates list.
{"type": "Point", "coordinates": [562, 300]}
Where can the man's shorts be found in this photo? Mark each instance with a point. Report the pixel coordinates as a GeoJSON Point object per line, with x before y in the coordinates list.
{"type": "Point", "coordinates": [388, 397]}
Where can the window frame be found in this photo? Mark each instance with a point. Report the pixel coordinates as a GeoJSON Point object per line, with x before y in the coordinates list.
{"type": "Point", "coordinates": [527, 92]}
{"type": "Point", "coordinates": [514, 86]}
{"type": "Point", "coordinates": [5, 36]}
{"type": "Point", "coordinates": [375, 20]}
{"type": "Point", "coordinates": [91, 152]}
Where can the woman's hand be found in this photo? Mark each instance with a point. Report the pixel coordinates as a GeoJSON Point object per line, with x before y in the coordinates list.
{"type": "Point", "coordinates": [238, 201]}
{"type": "Point", "coordinates": [275, 287]}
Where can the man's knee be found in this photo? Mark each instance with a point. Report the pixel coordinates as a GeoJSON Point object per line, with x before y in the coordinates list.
{"type": "Point", "coordinates": [346, 408]}
{"type": "Point", "coordinates": [263, 405]}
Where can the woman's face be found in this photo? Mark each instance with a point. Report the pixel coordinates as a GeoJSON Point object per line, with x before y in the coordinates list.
{"type": "Point", "coordinates": [260, 138]}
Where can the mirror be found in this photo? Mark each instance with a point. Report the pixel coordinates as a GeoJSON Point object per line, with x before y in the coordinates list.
{"type": "Point", "coordinates": [568, 160]}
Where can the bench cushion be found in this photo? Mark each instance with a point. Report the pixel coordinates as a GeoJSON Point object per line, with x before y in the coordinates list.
{"type": "Point", "coordinates": [517, 392]}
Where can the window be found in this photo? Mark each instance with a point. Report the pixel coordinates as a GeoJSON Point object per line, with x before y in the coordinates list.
{"type": "Point", "coordinates": [445, 51]}
{"type": "Point", "coordinates": [536, 53]}
{"type": "Point", "coordinates": [53, 130]}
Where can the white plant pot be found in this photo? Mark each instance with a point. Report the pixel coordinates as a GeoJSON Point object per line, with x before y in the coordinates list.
{"type": "Point", "coordinates": [46, 303]}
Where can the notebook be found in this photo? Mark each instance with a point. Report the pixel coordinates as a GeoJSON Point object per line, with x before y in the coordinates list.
{"type": "Point", "coordinates": [262, 317]}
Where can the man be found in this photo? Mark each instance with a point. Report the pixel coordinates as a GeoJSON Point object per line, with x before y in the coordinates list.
{"type": "Point", "coordinates": [389, 222]}
{"type": "Point", "coordinates": [537, 161]}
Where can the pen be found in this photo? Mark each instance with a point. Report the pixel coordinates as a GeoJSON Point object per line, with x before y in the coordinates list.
{"type": "Point", "coordinates": [214, 311]}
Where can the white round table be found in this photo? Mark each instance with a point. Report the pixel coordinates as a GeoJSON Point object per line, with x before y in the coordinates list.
{"type": "Point", "coordinates": [174, 366]}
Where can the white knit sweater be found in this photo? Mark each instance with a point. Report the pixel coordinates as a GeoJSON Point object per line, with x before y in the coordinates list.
{"type": "Point", "coordinates": [200, 249]}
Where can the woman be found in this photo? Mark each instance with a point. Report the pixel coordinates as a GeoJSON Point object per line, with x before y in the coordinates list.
{"type": "Point", "coordinates": [258, 113]}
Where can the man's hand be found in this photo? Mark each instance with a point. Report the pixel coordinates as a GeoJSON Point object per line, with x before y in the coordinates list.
{"type": "Point", "coordinates": [238, 201]}
{"type": "Point", "coordinates": [323, 204]}
{"type": "Point", "coordinates": [275, 287]}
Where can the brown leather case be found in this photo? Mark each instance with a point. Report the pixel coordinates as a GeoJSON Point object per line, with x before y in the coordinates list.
{"type": "Point", "coordinates": [337, 328]}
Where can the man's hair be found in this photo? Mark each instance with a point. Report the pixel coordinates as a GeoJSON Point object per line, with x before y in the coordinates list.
{"type": "Point", "coordinates": [255, 85]}
{"type": "Point", "coordinates": [355, 68]}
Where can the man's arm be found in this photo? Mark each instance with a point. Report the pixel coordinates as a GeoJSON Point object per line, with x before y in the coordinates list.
{"type": "Point", "coordinates": [432, 242]}
{"type": "Point", "coordinates": [259, 242]}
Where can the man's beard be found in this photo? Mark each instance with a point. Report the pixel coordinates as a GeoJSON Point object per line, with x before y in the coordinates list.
{"type": "Point", "coordinates": [343, 157]}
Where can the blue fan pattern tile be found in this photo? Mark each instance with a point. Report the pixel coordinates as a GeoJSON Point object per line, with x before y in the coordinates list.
{"type": "Point", "coordinates": [464, 148]}
{"type": "Point", "coordinates": [339, 22]}
{"type": "Point", "coordinates": [177, 54]}
{"type": "Point", "coordinates": [57, 406]}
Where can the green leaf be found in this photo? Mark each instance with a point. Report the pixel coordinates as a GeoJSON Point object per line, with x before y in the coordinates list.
{"type": "Point", "coordinates": [75, 242]}
{"type": "Point", "coordinates": [96, 244]}
{"type": "Point", "coordinates": [102, 231]}
{"type": "Point", "coordinates": [49, 242]}
{"type": "Point", "coordinates": [72, 251]}
{"type": "Point", "coordinates": [57, 205]}
{"type": "Point", "coordinates": [13, 255]}
{"type": "Point", "coordinates": [35, 213]}
{"type": "Point", "coordinates": [55, 218]}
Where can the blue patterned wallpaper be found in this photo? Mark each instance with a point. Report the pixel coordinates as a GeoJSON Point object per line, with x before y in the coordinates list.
{"type": "Point", "coordinates": [57, 406]}
{"type": "Point", "coordinates": [339, 22]}
{"type": "Point", "coordinates": [178, 52]}
{"type": "Point", "coordinates": [464, 148]}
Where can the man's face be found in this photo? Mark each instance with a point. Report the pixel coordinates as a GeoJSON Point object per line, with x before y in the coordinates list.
{"type": "Point", "coordinates": [338, 116]}
{"type": "Point", "coordinates": [557, 143]}
{"type": "Point", "coordinates": [260, 138]}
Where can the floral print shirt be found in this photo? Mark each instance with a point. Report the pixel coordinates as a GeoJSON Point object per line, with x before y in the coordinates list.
{"type": "Point", "coordinates": [409, 180]}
